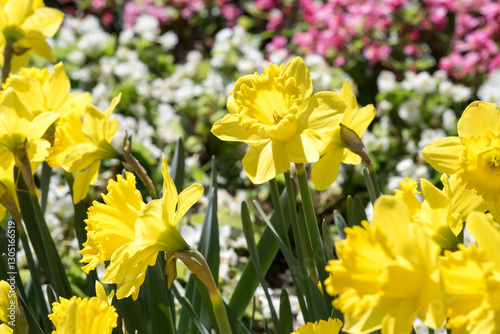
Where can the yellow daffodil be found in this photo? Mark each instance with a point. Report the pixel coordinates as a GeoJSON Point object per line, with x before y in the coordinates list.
{"type": "Point", "coordinates": [85, 315]}
{"type": "Point", "coordinates": [332, 326]}
{"type": "Point", "coordinates": [25, 24]}
{"type": "Point", "coordinates": [387, 273]}
{"type": "Point", "coordinates": [43, 91]}
{"type": "Point", "coordinates": [471, 278]}
{"type": "Point", "coordinates": [21, 142]}
{"type": "Point", "coordinates": [475, 154]}
{"type": "Point", "coordinates": [442, 211]}
{"type": "Point", "coordinates": [131, 233]}
{"type": "Point", "coordinates": [276, 115]}
{"type": "Point", "coordinates": [325, 171]}
{"type": "Point", "coordinates": [8, 303]}
{"type": "Point", "coordinates": [81, 145]}
{"type": "Point", "coordinates": [104, 235]}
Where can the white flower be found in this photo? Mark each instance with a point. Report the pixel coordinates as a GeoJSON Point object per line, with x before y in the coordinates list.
{"type": "Point", "coordinates": [445, 88]}
{"type": "Point", "coordinates": [386, 82]}
{"type": "Point", "coordinates": [168, 40]}
{"type": "Point", "coordinates": [126, 36]}
{"type": "Point", "coordinates": [77, 57]}
{"type": "Point", "coordinates": [147, 27]}
{"type": "Point", "coordinates": [429, 135]}
{"type": "Point", "coordinates": [409, 111]}
{"type": "Point", "coordinates": [460, 93]}
{"type": "Point", "coordinates": [449, 120]}
{"type": "Point", "coordinates": [424, 83]}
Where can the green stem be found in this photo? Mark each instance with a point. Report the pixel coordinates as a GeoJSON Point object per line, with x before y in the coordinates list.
{"type": "Point", "coordinates": [311, 222]}
{"type": "Point", "coordinates": [8, 53]}
{"type": "Point", "coordinates": [275, 197]}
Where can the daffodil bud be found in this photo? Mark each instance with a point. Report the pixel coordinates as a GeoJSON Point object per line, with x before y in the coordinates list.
{"type": "Point", "coordinates": [352, 141]}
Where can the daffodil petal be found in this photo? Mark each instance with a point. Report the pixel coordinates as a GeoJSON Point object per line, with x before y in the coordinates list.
{"type": "Point", "coordinates": [304, 147]}
{"type": "Point", "coordinates": [40, 124]}
{"type": "Point", "coordinates": [18, 61]}
{"type": "Point", "coordinates": [348, 96]}
{"type": "Point", "coordinates": [13, 113]}
{"type": "Point", "coordinates": [18, 10]}
{"type": "Point", "coordinates": [443, 154]}
{"type": "Point", "coordinates": [45, 20]}
{"type": "Point", "coordinates": [326, 170]}
{"type": "Point", "coordinates": [113, 105]}
{"type": "Point", "coordinates": [229, 129]}
{"type": "Point", "coordinates": [362, 119]}
{"type": "Point", "coordinates": [323, 112]}
{"type": "Point", "coordinates": [477, 118]}
{"type": "Point", "coordinates": [297, 69]}
{"type": "Point", "coordinates": [264, 162]}
{"type": "Point", "coordinates": [187, 198]}
{"type": "Point", "coordinates": [351, 158]}
{"type": "Point", "coordinates": [83, 181]}
{"type": "Point", "coordinates": [30, 91]}
{"type": "Point", "coordinates": [400, 318]}
{"type": "Point", "coordinates": [36, 43]}
{"type": "Point", "coordinates": [170, 195]}
{"type": "Point", "coordinates": [58, 82]}
{"type": "Point", "coordinates": [487, 233]}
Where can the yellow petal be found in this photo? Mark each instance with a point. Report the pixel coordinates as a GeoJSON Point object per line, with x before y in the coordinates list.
{"type": "Point", "coordinates": [297, 69]}
{"type": "Point", "coordinates": [18, 61]}
{"type": "Point", "coordinates": [170, 194]}
{"type": "Point", "coordinates": [112, 105]}
{"type": "Point", "coordinates": [349, 157]}
{"type": "Point", "coordinates": [326, 170]}
{"type": "Point", "coordinates": [45, 20]}
{"type": "Point", "coordinates": [264, 162]}
{"type": "Point", "coordinates": [14, 114]}
{"type": "Point", "coordinates": [36, 43]}
{"type": "Point", "coordinates": [323, 112]}
{"type": "Point", "coordinates": [304, 147]}
{"type": "Point", "coordinates": [36, 129]}
{"type": "Point", "coordinates": [477, 118]}
{"type": "Point", "coordinates": [443, 154]}
{"type": "Point", "coordinates": [74, 99]}
{"type": "Point", "coordinates": [152, 227]}
{"type": "Point", "coordinates": [29, 90]}
{"type": "Point", "coordinates": [229, 129]}
{"type": "Point", "coordinates": [83, 181]}
{"type": "Point", "coordinates": [487, 234]}
{"type": "Point", "coordinates": [57, 87]}
{"type": "Point", "coordinates": [348, 96]}
{"type": "Point", "coordinates": [362, 119]}
{"type": "Point", "coordinates": [18, 10]}
{"type": "Point", "coordinates": [400, 318]}
{"type": "Point", "coordinates": [187, 198]}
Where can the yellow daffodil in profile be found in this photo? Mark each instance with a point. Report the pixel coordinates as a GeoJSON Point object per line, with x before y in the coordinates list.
{"type": "Point", "coordinates": [277, 115]}
{"type": "Point", "coordinates": [325, 171]}
{"type": "Point", "coordinates": [130, 233]}
{"type": "Point", "coordinates": [21, 142]}
{"type": "Point", "coordinates": [332, 326]}
{"type": "Point", "coordinates": [85, 315]}
{"type": "Point", "coordinates": [471, 278]}
{"type": "Point", "coordinates": [442, 211]}
{"type": "Point", "coordinates": [474, 156]}
{"type": "Point", "coordinates": [24, 26]}
{"type": "Point", "coordinates": [43, 91]}
{"type": "Point", "coordinates": [80, 145]}
{"type": "Point", "coordinates": [387, 273]}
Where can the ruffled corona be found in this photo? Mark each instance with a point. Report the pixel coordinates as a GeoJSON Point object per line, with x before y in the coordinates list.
{"type": "Point", "coordinates": [387, 273]}
{"type": "Point", "coordinates": [276, 115]}
{"type": "Point", "coordinates": [83, 315]}
{"type": "Point", "coordinates": [111, 224]}
{"type": "Point", "coordinates": [479, 165]}
{"type": "Point", "coordinates": [332, 326]}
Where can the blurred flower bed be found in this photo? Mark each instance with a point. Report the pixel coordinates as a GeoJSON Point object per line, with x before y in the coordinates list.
{"type": "Point", "coordinates": [175, 62]}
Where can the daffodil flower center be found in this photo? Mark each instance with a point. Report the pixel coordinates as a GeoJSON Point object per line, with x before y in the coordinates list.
{"type": "Point", "coordinates": [495, 160]}
{"type": "Point", "coordinates": [268, 104]}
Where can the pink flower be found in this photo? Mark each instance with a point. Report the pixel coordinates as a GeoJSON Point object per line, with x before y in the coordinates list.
{"type": "Point", "coordinates": [98, 4]}
{"type": "Point", "coordinates": [230, 12]}
{"type": "Point", "coordinates": [277, 42]}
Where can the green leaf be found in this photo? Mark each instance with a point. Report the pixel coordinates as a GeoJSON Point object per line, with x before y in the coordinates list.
{"type": "Point", "coordinates": [339, 223]}
{"type": "Point", "coordinates": [358, 211]}
{"type": "Point", "coordinates": [286, 316]}
{"type": "Point", "coordinates": [327, 239]}
{"type": "Point", "coordinates": [186, 305]}
{"type": "Point", "coordinates": [267, 249]}
{"type": "Point", "coordinates": [177, 165]}
{"type": "Point", "coordinates": [252, 248]}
